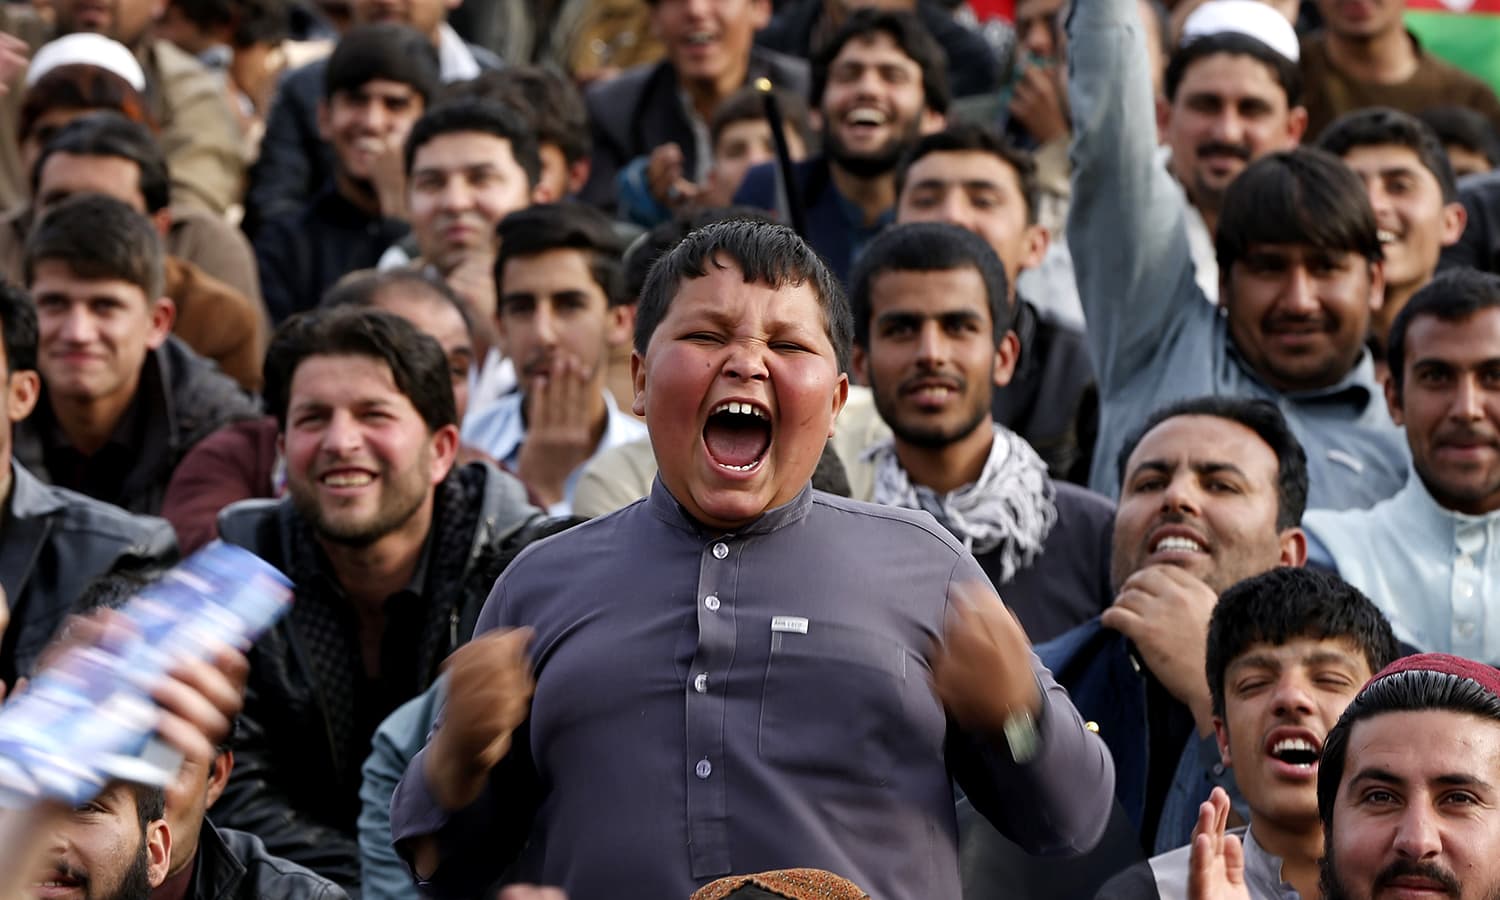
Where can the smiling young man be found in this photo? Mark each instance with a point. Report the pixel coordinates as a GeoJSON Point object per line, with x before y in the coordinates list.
{"type": "Point", "coordinates": [1287, 651]}
{"type": "Point", "coordinates": [878, 84]}
{"type": "Point", "coordinates": [376, 86]}
{"type": "Point", "coordinates": [1430, 555]}
{"type": "Point", "coordinates": [392, 549]}
{"type": "Point", "coordinates": [1413, 192]}
{"type": "Point", "coordinates": [122, 398]}
{"type": "Point", "coordinates": [739, 673]}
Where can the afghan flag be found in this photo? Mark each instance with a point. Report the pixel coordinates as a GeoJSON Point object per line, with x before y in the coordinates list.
{"type": "Point", "coordinates": [1464, 32]}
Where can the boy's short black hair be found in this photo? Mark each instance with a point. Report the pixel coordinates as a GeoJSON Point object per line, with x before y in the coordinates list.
{"type": "Point", "coordinates": [483, 117]}
{"type": "Point", "coordinates": [1261, 417]}
{"type": "Point", "coordinates": [565, 226]}
{"type": "Point", "coordinates": [928, 247]}
{"type": "Point", "coordinates": [1380, 126]}
{"type": "Point", "coordinates": [1302, 196]}
{"type": "Point", "coordinates": [1286, 72]}
{"type": "Point", "coordinates": [765, 253]}
{"type": "Point", "coordinates": [970, 137]}
{"type": "Point", "coordinates": [550, 103]}
{"type": "Point", "coordinates": [1286, 603]}
{"type": "Point", "coordinates": [910, 35]}
{"type": "Point", "coordinates": [384, 51]}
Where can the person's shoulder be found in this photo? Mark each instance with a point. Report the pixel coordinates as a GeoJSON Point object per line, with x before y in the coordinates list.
{"type": "Point", "coordinates": [74, 514]}
{"type": "Point", "coordinates": [864, 521]}
{"type": "Point", "coordinates": [785, 70]}
{"type": "Point", "coordinates": [1456, 79]}
{"type": "Point", "coordinates": [619, 94]}
{"type": "Point", "coordinates": [273, 876]}
{"type": "Point", "coordinates": [202, 392]}
{"type": "Point", "coordinates": [1137, 882]}
{"type": "Point", "coordinates": [1072, 499]}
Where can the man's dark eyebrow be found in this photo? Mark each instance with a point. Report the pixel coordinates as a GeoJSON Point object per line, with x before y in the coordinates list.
{"type": "Point", "coordinates": [1377, 774]}
{"type": "Point", "coordinates": [1218, 468]}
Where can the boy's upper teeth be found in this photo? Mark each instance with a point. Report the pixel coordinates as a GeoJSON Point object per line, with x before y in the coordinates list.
{"type": "Point", "coordinates": [1286, 744]}
{"type": "Point", "coordinates": [740, 409]}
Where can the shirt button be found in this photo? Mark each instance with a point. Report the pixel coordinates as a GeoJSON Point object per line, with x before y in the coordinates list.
{"type": "Point", "coordinates": [1467, 590]}
{"type": "Point", "coordinates": [1465, 562]}
{"type": "Point", "coordinates": [1466, 629]}
{"type": "Point", "coordinates": [703, 769]}
{"type": "Point", "coordinates": [712, 602]}
{"type": "Point", "coordinates": [721, 550]}
{"type": "Point", "coordinates": [700, 684]}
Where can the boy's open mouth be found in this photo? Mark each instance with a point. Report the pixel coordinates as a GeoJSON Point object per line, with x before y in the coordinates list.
{"type": "Point", "coordinates": [737, 435]}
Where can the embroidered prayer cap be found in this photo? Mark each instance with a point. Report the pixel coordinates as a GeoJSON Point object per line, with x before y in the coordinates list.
{"type": "Point", "coordinates": [787, 884]}
{"type": "Point", "coordinates": [1251, 18]}
{"type": "Point", "coordinates": [87, 49]}
{"type": "Point", "coordinates": [1487, 677]}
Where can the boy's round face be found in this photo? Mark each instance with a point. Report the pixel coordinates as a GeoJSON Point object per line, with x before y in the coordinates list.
{"type": "Point", "coordinates": [739, 387]}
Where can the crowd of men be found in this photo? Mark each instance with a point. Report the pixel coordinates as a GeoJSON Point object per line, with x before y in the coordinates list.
{"type": "Point", "coordinates": [797, 448]}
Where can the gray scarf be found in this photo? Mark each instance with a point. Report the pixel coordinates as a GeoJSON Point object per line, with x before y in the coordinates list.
{"type": "Point", "coordinates": [1009, 508]}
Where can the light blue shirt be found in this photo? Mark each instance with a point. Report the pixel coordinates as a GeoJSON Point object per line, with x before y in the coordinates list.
{"type": "Point", "coordinates": [499, 430]}
{"type": "Point", "coordinates": [1435, 573]}
{"type": "Point", "coordinates": [1153, 336]}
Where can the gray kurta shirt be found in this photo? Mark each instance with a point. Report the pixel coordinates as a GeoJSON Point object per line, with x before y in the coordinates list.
{"type": "Point", "coordinates": [713, 704]}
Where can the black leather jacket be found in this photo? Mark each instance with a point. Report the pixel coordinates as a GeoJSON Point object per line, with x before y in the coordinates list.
{"type": "Point", "coordinates": [53, 543]}
{"type": "Point", "coordinates": [298, 744]}
{"type": "Point", "coordinates": [233, 865]}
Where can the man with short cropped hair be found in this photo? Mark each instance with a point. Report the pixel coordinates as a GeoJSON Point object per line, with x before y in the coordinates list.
{"type": "Point", "coordinates": [122, 399]}
{"type": "Point", "coordinates": [969, 176]}
{"type": "Point", "coordinates": [561, 309]}
{"type": "Point", "coordinates": [377, 85]}
{"type": "Point", "coordinates": [1430, 555]}
{"type": "Point", "coordinates": [1414, 195]}
{"type": "Point", "coordinates": [1297, 246]}
{"type": "Point", "coordinates": [1287, 651]}
{"type": "Point", "coordinates": [392, 549]}
{"type": "Point", "coordinates": [933, 338]}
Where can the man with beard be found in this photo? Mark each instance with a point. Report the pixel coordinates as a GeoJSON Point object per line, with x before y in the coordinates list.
{"type": "Point", "coordinates": [1298, 249]}
{"type": "Point", "coordinates": [1430, 555]}
{"type": "Point", "coordinates": [1406, 792]}
{"type": "Point", "coordinates": [879, 84]}
{"type": "Point", "coordinates": [376, 86]}
{"type": "Point", "coordinates": [114, 847]}
{"type": "Point", "coordinates": [933, 339]}
{"type": "Point", "coordinates": [392, 550]}
{"type": "Point", "coordinates": [562, 309]}
{"type": "Point", "coordinates": [1212, 491]}
{"type": "Point", "coordinates": [1287, 651]}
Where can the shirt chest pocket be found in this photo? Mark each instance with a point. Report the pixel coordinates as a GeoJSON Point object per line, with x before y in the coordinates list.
{"type": "Point", "coordinates": [835, 702]}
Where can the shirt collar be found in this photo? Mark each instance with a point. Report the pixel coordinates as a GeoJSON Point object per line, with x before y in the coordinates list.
{"type": "Point", "coordinates": [665, 507]}
{"type": "Point", "coordinates": [1263, 871]}
{"type": "Point", "coordinates": [455, 60]}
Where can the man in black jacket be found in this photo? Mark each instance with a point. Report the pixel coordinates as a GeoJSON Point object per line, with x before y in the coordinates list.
{"type": "Point", "coordinates": [122, 400]}
{"type": "Point", "coordinates": [662, 110]}
{"type": "Point", "coordinates": [54, 541]}
{"type": "Point", "coordinates": [392, 551]}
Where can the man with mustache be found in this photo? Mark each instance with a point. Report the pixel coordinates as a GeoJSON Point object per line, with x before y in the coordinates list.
{"type": "Point", "coordinates": [879, 84]}
{"type": "Point", "coordinates": [1430, 555]}
{"type": "Point", "coordinates": [1212, 490]}
{"type": "Point", "coordinates": [561, 308]}
{"type": "Point", "coordinates": [1299, 265]}
{"type": "Point", "coordinates": [1406, 792]}
{"type": "Point", "coordinates": [1287, 650]}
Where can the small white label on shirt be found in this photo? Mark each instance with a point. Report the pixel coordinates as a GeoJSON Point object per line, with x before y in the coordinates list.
{"type": "Point", "coordinates": [789, 623]}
